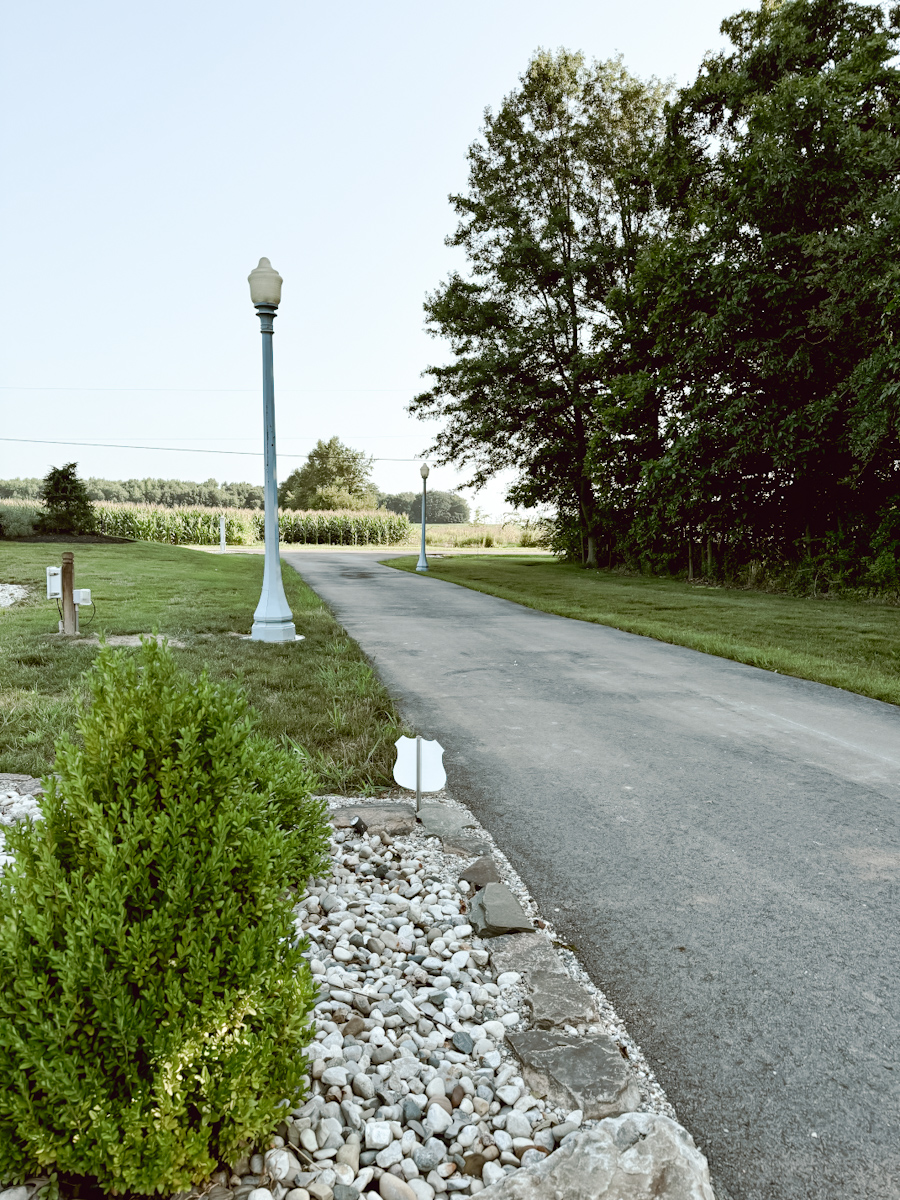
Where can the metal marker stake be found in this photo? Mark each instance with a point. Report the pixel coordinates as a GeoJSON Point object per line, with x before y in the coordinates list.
{"type": "Point", "coordinates": [418, 772]}
{"type": "Point", "coordinates": [221, 535]}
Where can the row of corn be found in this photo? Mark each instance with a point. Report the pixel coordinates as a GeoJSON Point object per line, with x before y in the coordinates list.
{"type": "Point", "coordinates": [243, 527]}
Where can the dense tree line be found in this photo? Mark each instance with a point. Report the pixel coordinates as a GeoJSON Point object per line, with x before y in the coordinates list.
{"type": "Point", "coordinates": [168, 492]}
{"type": "Point", "coordinates": [680, 320]}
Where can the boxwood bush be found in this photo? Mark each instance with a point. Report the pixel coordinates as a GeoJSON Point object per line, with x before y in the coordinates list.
{"type": "Point", "coordinates": [153, 1002]}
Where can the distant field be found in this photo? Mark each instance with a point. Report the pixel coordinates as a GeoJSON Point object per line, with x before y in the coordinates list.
{"type": "Point", "coordinates": [454, 537]}
{"type": "Point", "coordinates": [190, 525]}
{"type": "Point", "coordinates": [846, 643]}
{"type": "Point", "coordinates": [185, 525]}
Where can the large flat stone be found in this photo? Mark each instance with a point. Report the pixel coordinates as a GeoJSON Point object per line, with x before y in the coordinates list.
{"type": "Point", "coordinates": [495, 910]}
{"type": "Point", "coordinates": [393, 819]}
{"type": "Point", "coordinates": [439, 820]}
{"type": "Point", "coordinates": [525, 952]}
{"type": "Point", "coordinates": [584, 1071]}
{"type": "Point", "coordinates": [465, 844]}
{"type": "Point", "coordinates": [556, 998]}
{"type": "Point", "coordinates": [639, 1156]}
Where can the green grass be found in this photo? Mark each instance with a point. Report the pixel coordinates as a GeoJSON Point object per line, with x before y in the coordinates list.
{"type": "Point", "coordinates": [321, 693]}
{"type": "Point", "coordinates": [846, 643]}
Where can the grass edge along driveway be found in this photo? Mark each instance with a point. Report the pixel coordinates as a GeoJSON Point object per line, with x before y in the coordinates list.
{"type": "Point", "coordinates": [321, 693]}
{"type": "Point", "coordinates": [849, 644]}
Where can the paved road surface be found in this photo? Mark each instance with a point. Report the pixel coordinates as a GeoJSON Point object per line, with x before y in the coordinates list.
{"type": "Point", "coordinates": [720, 843]}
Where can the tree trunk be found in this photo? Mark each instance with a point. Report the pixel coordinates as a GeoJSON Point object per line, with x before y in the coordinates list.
{"type": "Point", "coordinates": [690, 562]}
{"type": "Point", "coordinates": [591, 559]}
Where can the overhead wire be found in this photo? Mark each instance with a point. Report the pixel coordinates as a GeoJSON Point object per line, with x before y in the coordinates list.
{"type": "Point", "coordinates": [174, 449]}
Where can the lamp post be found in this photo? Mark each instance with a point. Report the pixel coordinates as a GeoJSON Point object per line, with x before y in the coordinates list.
{"type": "Point", "coordinates": [272, 621]}
{"type": "Point", "coordinates": [422, 564]}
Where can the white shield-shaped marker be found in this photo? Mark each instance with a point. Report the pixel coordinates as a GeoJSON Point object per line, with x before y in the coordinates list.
{"type": "Point", "coordinates": [420, 765]}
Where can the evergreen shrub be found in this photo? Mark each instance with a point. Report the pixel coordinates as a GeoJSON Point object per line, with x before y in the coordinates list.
{"type": "Point", "coordinates": [154, 998]}
{"type": "Point", "coordinates": [67, 506]}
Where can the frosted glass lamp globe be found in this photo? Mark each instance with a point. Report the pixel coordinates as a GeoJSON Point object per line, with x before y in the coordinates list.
{"type": "Point", "coordinates": [265, 284]}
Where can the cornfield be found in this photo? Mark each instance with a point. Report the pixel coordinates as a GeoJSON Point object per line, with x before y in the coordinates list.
{"type": "Point", "coordinates": [245, 526]}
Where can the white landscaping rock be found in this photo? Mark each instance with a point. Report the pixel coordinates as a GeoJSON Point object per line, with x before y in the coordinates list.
{"type": "Point", "coordinates": [10, 594]}
{"type": "Point", "coordinates": [412, 1011]}
{"type": "Point", "coordinates": [638, 1156]}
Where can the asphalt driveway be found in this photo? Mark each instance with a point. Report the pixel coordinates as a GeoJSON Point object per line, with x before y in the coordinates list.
{"type": "Point", "coordinates": [720, 843]}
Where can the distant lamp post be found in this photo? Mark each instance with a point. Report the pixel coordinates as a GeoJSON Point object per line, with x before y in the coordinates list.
{"type": "Point", "coordinates": [422, 564]}
{"type": "Point", "coordinates": [272, 621]}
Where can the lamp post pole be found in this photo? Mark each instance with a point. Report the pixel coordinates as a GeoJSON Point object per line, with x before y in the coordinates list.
{"type": "Point", "coordinates": [272, 621]}
{"type": "Point", "coordinates": [422, 564]}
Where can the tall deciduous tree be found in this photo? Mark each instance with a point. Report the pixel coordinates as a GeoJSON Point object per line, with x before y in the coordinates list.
{"type": "Point", "coordinates": [557, 208]}
{"type": "Point", "coordinates": [334, 476]}
{"type": "Point", "coordinates": [777, 313]}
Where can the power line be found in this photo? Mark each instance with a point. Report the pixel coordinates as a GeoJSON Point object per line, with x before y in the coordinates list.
{"type": "Point", "coordinates": [13, 387]}
{"type": "Point", "coordinates": [167, 449]}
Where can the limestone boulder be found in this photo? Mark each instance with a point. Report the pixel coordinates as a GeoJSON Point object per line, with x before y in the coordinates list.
{"type": "Point", "coordinates": [638, 1156]}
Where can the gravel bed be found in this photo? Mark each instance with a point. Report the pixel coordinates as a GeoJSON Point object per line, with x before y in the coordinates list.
{"type": "Point", "coordinates": [415, 1092]}
{"type": "Point", "coordinates": [11, 593]}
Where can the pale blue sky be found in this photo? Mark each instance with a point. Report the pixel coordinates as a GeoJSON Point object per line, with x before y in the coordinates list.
{"type": "Point", "coordinates": [152, 153]}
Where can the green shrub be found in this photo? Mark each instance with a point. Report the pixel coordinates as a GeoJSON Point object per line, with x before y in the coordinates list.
{"type": "Point", "coordinates": [153, 1002]}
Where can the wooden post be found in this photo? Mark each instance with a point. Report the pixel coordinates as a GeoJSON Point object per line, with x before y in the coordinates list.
{"type": "Point", "coordinates": [68, 598]}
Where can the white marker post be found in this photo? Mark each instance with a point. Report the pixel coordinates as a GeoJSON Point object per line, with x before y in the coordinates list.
{"type": "Point", "coordinates": [419, 766]}
{"type": "Point", "coordinates": [221, 535]}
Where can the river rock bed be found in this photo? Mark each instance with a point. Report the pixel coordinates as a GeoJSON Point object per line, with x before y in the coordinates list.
{"type": "Point", "coordinates": [417, 1087]}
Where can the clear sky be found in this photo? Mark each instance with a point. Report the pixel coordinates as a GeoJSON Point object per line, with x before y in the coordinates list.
{"type": "Point", "coordinates": [152, 153]}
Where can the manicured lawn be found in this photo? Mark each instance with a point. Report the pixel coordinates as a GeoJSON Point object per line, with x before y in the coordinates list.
{"type": "Point", "coordinates": [321, 692]}
{"type": "Point", "coordinates": [845, 643]}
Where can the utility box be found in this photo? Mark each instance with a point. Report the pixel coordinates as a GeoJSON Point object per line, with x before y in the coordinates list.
{"type": "Point", "coordinates": [54, 583]}
{"type": "Point", "coordinates": [81, 595]}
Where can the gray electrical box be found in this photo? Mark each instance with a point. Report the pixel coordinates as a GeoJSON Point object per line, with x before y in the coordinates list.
{"type": "Point", "coordinates": [81, 595]}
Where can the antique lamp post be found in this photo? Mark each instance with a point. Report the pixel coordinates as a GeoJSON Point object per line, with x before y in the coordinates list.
{"type": "Point", "coordinates": [272, 621]}
{"type": "Point", "coordinates": [422, 564]}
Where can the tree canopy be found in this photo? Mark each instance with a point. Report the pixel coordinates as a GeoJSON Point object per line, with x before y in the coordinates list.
{"type": "Point", "coordinates": [167, 492]}
{"type": "Point", "coordinates": [441, 508]}
{"type": "Point", "coordinates": [774, 298]}
{"type": "Point", "coordinates": [557, 209]}
{"type": "Point", "coordinates": [680, 321]}
{"type": "Point", "coordinates": [334, 476]}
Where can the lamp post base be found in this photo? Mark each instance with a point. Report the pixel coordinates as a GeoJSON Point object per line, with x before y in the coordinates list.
{"type": "Point", "coordinates": [274, 631]}
{"type": "Point", "coordinates": [421, 566]}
